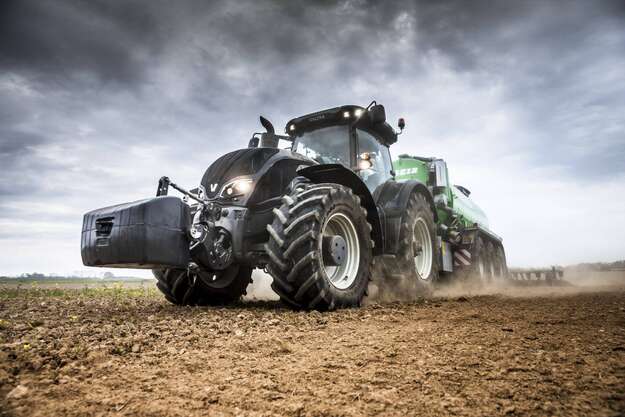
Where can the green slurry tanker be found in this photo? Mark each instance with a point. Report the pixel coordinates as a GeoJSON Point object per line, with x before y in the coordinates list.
{"type": "Point", "coordinates": [319, 208]}
{"type": "Point", "coordinates": [467, 244]}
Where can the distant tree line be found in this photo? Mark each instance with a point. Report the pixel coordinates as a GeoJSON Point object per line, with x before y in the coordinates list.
{"type": "Point", "coordinates": [39, 275]}
{"type": "Point", "coordinates": [601, 266]}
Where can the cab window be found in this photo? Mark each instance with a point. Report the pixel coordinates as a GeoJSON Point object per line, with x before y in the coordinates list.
{"type": "Point", "coordinates": [374, 161]}
{"type": "Point", "coordinates": [328, 145]}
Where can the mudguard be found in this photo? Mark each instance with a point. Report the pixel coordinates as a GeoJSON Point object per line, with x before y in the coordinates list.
{"type": "Point", "coordinates": [336, 173]}
{"type": "Point", "coordinates": [392, 199]}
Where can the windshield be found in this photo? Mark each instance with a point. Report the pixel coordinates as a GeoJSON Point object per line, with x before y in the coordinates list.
{"type": "Point", "coordinates": [328, 145]}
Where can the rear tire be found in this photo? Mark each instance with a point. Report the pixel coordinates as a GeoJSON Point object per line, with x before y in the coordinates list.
{"type": "Point", "coordinates": [302, 277]}
{"type": "Point", "coordinates": [204, 288]}
{"type": "Point", "coordinates": [418, 250]}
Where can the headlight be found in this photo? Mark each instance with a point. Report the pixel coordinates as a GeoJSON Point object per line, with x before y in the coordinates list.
{"type": "Point", "coordinates": [236, 188]}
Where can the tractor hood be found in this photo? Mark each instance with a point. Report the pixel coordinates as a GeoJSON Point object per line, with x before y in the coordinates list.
{"type": "Point", "coordinates": [243, 162]}
{"type": "Point", "coordinates": [248, 163]}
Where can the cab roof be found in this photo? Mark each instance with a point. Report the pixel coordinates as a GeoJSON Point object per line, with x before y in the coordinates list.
{"type": "Point", "coordinates": [342, 115]}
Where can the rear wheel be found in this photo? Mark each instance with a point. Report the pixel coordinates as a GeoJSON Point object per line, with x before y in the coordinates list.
{"type": "Point", "coordinates": [203, 288]}
{"type": "Point", "coordinates": [418, 249]}
{"type": "Point", "coordinates": [320, 247]}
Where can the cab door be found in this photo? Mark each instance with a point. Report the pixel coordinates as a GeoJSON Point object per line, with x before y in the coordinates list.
{"type": "Point", "coordinates": [373, 160]}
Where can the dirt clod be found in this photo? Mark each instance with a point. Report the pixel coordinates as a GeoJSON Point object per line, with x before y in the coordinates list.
{"type": "Point", "coordinates": [18, 392]}
{"type": "Point", "coordinates": [529, 354]}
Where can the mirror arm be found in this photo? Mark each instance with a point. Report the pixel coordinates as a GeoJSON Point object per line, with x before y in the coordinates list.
{"type": "Point", "coordinates": [373, 103]}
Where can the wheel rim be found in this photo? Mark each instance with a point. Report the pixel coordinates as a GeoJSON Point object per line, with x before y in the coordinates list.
{"type": "Point", "coordinates": [422, 249]}
{"type": "Point", "coordinates": [344, 275]}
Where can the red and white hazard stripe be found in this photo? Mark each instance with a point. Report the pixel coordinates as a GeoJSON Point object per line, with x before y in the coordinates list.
{"type": "Point", "coordinates": [462, 257]}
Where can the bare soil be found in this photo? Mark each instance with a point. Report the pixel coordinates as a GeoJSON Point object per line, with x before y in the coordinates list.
{"type": "Point", "coordinates": [128, 352]}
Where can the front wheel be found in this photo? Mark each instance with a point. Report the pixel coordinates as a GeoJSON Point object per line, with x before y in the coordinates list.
{"type": "Point", "coordinates": [320, 247]}
{"type": "Point", "coordinates": [203, 288]}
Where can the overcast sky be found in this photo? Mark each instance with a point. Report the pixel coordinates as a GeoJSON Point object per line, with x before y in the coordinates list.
{"type": "Point", "coordinates": [525, 100]}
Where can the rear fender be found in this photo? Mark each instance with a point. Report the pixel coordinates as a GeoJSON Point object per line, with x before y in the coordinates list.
{"type": "Point", "coordinates": [338, 174]}
{"type": "Point", "coordinates": [392, 199]}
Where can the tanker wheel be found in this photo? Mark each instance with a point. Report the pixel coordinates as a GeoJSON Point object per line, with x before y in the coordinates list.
{"type": "Point", "coordinates": [320, 247]}
{"type": "Point", "coordinates": [203, 288]}
{"type": "Point", "coordinates": [491, 264]}
{"type": "Point", "coordinates": [499, 261]}
{"type": "Point", "coordinates": [480, 262]}
{"type": "Point", "coordinates": [418, 250]}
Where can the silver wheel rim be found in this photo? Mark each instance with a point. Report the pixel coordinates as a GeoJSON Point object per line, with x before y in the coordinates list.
{"type": "Point", "coordinates": [344, 275]}
{"type": "Point", "coordinates": [422, 248]}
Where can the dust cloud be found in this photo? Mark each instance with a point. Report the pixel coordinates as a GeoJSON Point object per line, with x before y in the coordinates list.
{"type": "Point", "coordinates": [400, 289]}
{"type": "Point", "coordinates": [589, 278]}
{"type": "Point", "coordinates": [387, 287]}
{"type": "Point", "coordinates": [260, 288]}
{"type": "Point", "coordinates": [384, 289]}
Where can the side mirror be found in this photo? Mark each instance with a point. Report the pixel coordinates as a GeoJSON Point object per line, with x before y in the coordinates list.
{"type": "Point", "coordinates": [377, 114]}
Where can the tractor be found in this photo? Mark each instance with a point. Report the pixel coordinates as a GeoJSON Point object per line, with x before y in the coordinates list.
{"type": "Point", "coordinates": [319, 208]}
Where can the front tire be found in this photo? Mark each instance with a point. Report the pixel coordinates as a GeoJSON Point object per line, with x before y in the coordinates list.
{"type": "Point", "coordinates": [203, 288]}
{"type": "Point", "coordinates": [305, 274]}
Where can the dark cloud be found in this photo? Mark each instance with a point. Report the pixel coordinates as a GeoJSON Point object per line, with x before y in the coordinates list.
{"type": "Point", "coordinates": [242, 58]}
{"type": "Point", "coordinates": [62, 40]}
{"type": "Point", "coordinates": [16, 143]}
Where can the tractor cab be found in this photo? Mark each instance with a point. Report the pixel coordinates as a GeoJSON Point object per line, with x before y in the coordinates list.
{"type": "Point", "coordinates": [353, 136]}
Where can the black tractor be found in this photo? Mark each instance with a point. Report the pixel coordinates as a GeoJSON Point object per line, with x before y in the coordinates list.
{"type": "Point", "coordinates": [315, 208]}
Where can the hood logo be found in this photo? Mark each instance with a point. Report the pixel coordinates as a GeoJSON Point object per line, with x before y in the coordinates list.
{"type": "Point", "coordinates": [214, 187]}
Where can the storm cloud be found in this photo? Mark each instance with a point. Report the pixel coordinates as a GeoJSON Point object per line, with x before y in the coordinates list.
{"type": "Point", "coordinates": [525, 100]}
